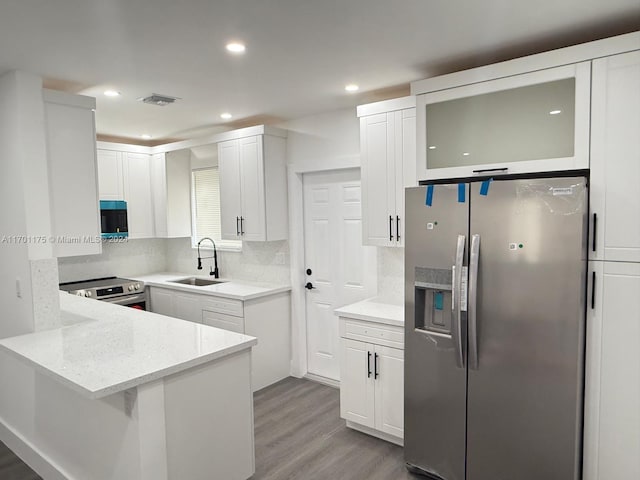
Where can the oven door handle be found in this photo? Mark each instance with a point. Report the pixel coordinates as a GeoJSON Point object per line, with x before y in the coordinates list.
{"type": "Point", "coordinates": [126, 299]}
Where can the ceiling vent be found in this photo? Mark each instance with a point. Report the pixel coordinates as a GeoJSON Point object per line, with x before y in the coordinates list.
{"type": "Point", "coordinates": [159, 100]}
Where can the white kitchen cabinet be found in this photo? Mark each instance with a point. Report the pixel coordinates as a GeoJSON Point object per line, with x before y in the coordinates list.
{"type": "Point", "coordinates": [73, 180]}
{"type": "Point", "coordinates": [162, 301]}
{"type": "Point", "coordinates": [253, 188]}
{"type": "Point", "coordinates": [171, 191]}
{"type": "Point", "coordinates": [110, 176]}
{"type": "Point", "coordinates": [523, 123]}
{"type": "Point", "coordinates": [137, 193]}
{"type": "Point", "coordinates": [372, 378]}
{"type": "Point", "coordinates": [612, 389]}
{"type": "Point", "coordinates": [187, 306]}
{"type": "Point", "coordinates": [388, 158]}
{"type": "Point", "coordinates": [615, 158]}
{"type": "Point", "coordinates": [124, 175]}
{"type": "Point", "coordinates": [267, 318]}
{"type": "Point", "coordinates": [357, 383]}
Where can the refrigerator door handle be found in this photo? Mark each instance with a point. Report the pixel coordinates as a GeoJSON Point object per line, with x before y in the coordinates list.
{"type": "Point", "coordinates": [473, 297]}
{"type": "Point", "coordinates": [456, 295]}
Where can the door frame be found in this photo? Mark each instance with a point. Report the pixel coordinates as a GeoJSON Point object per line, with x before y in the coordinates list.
{"type": "Point", "coordinates": [295, 190]}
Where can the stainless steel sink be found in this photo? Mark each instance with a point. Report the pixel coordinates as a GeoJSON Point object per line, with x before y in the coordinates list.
{"type": "Point", "coordinates": [197, 282]}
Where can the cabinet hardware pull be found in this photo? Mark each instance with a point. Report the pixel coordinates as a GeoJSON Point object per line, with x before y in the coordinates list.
{"type": "Point", "coordinates": [241, 225]}
{"type": "Point", "coordinates": [390, 227]}
{"type": "Point", "coordinates": [593, 290]}
{"type": "Point", "coordinates": [397, 228]}
{"type": "Point", "coordinates": [237, 226]}
{"type": "Point", "coordinates": [595, 231]}
{"type": "Point", "coordinates": [486, 170]}
{"type": "Point", "coordinates": [375, 366]}
{"type": "Point", "coordinates": [368, 364]}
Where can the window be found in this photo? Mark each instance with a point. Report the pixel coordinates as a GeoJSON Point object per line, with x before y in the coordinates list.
{"type": "Point", "coordinates": [205, 199]}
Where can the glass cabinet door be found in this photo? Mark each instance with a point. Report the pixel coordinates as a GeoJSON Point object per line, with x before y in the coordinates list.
{"type": "Point", "coordinates": [531, 122]}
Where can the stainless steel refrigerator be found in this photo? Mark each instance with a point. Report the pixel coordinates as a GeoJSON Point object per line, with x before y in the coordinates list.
{"type": "Point", "coordinates": [494, 328]}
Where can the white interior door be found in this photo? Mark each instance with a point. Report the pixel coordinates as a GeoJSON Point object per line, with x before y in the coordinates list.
{"type": "Point", "coordinates": [343, 271]}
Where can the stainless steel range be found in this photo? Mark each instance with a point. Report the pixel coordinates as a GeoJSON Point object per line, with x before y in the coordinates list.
{"type": "Point", "coordinates": [121, 291]}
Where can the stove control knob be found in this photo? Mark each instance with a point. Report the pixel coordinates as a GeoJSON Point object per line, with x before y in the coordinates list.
{"type": "Point", "coordinates": [87, 294]}
{"type": "Point", "coordinates": [131, 288]}
{"type": "Point", "coordinates": [137, 286]}
{"type": "Point", "coordinates": [80, 293]}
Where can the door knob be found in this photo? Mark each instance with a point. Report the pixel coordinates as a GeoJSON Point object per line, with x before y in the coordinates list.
{"type": "Point", "coordinates": [309, 286]}
{"type": "Point", "coordinates": [309, 272]}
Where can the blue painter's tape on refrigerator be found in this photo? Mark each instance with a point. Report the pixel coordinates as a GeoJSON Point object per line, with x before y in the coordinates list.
{"type": "Point", "coordinates": [461, 192]}
{"type": "Point", "coordinates": [429, 200]}
{"type": "Point", "coordinates": [484, 188]}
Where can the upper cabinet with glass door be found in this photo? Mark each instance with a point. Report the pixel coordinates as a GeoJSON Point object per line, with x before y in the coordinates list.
{"type": "Point", "coordinates": [532, 122]}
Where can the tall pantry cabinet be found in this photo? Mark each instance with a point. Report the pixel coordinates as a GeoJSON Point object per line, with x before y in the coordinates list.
{"type": "Point", "coordinates": [612, 390]}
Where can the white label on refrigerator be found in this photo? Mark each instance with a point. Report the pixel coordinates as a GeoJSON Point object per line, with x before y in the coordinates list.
{"type": "Point", "coordinates": [562, 191]}
{"type": "Point", "coordinates": [429, 226]}
{"type": "Point", "coordinates": [463, 290]}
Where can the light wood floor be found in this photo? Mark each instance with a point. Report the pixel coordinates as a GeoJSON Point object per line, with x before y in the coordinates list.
{"type": "Point", "coordinates": [299, 435]}
{"type": "Point", "coordinates": [12, 468]}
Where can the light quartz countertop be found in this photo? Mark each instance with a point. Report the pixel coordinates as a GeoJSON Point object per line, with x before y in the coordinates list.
{"type": "Point", "coordinates": [239, 290]}
{"type": "Point", "coordinates": [105, 348]}
{"type": "Point", "coordinates": [374, 310]}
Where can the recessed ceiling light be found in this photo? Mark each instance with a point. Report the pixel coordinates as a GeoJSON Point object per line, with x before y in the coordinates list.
{"type": "Point", "coordinates": [225, 116]}
{"type": "Point", "coordinates": [466, 154]}
{"type": "Point", "coordinates": [145, 136]}
{"type": "Point", "coordinates": [555, 112]}
{"type": "Point", "coordinates": [111, 93]}
{"type": "Point", "coordinates": [432, 147]}
{"type": "Point", "coordinates": [352, 87]}
{"type": "Point", "coordinates": [236, 47]}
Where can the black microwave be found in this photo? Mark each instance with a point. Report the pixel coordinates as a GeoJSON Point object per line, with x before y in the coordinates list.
{"type": "Point", "coordinates": [113, 219]}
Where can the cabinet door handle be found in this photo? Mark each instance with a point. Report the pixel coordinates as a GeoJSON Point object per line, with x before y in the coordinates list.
{"type": "Point", "coordinates": [595, 231]}
{"type": "Point", "coordinates": [390, 227]}
{"type": "Point", "coordinates": [375, 366]}
{"type": "Point", "coordinates": [397, 228]}
{"type": "Point", "coordinates": [237, 226]}
{"type": "Point", "coordinates": [489, 170]}
{"type": "Point", "coordinates": [368, 364]}
{"type": "Point", "coordinates": [241, 225]}
{"type": "Point", "coordinates": [593, 290]}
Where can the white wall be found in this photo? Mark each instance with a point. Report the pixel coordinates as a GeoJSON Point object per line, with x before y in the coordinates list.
{"type": "Point", "coordinates": [27, 265]}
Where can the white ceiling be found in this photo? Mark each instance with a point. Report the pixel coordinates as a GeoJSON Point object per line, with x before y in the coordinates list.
{"type": "Point", "coordinates": [300, 53]}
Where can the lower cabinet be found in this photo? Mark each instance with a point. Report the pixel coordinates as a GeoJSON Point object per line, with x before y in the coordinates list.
{"type": "Point", "coordinates": [612, 380]}
{"type": "Point", "coordinates": [266, 318]}
{"type": "Point", "coordinates": [372, 379]}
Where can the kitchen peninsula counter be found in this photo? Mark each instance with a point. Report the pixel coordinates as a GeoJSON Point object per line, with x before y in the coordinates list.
{"type": "Point", "coordinates": [160, 398]}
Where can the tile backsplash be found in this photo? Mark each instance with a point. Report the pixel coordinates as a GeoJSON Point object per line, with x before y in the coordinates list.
{"type": "Point", "coordinates": [259, 262]}
{"type": "Point", "coordinates": [133, 257]}
{"type": "Point", "coordinates": [391, 274]}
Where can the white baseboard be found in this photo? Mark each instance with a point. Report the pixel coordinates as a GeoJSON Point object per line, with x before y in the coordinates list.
{"type": "Point", "coordinates": [324, 380]}
{"type": "Point", "coordinates": [376, 433]}
{"type": "Point", "coordinates": [40, 463]}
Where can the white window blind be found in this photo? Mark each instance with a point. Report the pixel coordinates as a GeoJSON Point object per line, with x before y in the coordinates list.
{"type": "Point", "coordinates": [206, 199]}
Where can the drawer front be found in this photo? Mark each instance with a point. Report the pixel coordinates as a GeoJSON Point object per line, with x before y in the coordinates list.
{"type": "Point", "coordinates": [223, 305]}
{"type": "Point", "coordinates": [380, 334]}
{"type": "Point", "coordinates": [221, 320]}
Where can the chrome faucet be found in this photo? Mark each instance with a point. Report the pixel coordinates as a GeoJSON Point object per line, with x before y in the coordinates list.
{"type": "Point", "coordinates": [213, 271]}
